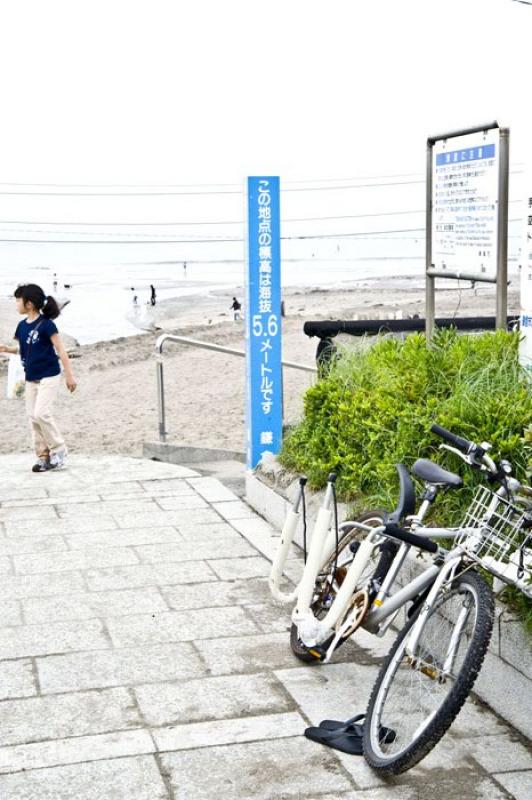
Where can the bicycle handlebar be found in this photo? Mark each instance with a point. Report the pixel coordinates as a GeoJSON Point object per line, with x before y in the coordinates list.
{"type": "Point", "coordinates": [476, 452]}
{"type": "Point", "coordinates": [462, 444]}
{"type": "Point", "coordinates": [410, 538]}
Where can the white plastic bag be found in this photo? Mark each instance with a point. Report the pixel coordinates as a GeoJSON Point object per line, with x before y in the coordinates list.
{"type": "Point", "coordinates": [16, 378]}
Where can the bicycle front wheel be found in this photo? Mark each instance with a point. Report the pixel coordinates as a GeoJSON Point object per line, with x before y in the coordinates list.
{"type": "Point", "coordinates": [417, 695]}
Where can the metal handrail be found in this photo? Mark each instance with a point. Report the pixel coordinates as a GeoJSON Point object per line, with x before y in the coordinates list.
{"type": "Point", "coordinates": [165, 337]}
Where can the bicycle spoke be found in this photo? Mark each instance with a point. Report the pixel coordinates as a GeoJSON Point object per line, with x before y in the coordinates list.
{"type": "Point", "coordinates": [418, 686]}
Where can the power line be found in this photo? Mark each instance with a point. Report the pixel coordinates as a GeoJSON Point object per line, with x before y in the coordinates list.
{"type": "Point", "coordinates": [225, 185]}
{"type": "Point", "coordinates": [167, 193]}
{"type": "Point", "coordinates": [222, 222]}
{"type": "Point", "coordinates": [200, 185]}
{"type": "Point", "coordinates": [214, 222]}
{"type": "Point", "coordinates": [213, 240]}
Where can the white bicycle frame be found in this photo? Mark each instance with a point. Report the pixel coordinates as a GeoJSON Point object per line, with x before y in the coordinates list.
{"type": "Point", "coordinates": [314, 632]}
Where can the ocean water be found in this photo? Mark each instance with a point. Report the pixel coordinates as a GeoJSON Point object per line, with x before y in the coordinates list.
{"type": "Point", "coordinates": [100, 290]}
{"type": "Point", "coordinates": [333, 235]}
{"type": "Point", "coordinates": [100, 277]}
{"type": "Point", "coordinates": [101, 296]}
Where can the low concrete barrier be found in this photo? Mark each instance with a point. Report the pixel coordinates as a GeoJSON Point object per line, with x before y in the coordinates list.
{"type": "Point", "coordinates": [188, 454]}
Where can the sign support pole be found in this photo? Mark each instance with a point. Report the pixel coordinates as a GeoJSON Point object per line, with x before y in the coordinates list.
{"type": "Point", "coordinates": [502, 231]}
{"type": "Point", "coordinates": [430, 281]}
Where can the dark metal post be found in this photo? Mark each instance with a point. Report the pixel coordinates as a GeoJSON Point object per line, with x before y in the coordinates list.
{"type": "Point", "coordinates": [160, 398]}
{"type": "Point", "coordinates": [429, 280]}
{"type": "Point", "coordinates": [502, 230]}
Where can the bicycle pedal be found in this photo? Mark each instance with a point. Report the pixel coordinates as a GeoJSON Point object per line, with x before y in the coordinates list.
{"type": "Point", "coordinates": [426, 669]}
{"type": "Point", "coordinates": [317, 653]}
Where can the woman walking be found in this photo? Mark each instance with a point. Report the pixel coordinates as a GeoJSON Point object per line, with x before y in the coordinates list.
{"type": "Point", "coordinates": [41, 349]}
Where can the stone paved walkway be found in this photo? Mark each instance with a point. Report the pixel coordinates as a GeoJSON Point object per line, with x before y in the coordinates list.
{"type": "Point", "coordinates": [141, 656]}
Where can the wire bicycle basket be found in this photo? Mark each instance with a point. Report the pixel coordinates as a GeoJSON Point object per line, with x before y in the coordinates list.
{"type": "Point", "coordinates": [497, 534]}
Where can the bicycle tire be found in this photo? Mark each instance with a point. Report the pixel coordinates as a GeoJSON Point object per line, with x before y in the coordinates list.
{"type": "Point", "coordinates": [387, 553]}
{"type": "Point", "coordinates": [415, 737]}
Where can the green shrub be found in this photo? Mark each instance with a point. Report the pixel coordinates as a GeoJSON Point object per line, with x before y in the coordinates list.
{"type": "Point", "coordinates": [375, 407]}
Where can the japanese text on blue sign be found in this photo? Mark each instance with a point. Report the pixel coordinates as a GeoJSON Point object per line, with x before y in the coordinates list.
{"type": "Point", "coordinates": [263, 326]}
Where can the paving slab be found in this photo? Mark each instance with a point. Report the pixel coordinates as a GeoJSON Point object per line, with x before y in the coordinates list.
{"type": "Point", "coordinates": [10, 613]}
{"type": "Point", "coordinates": [129, 537]}
{"type": "Point", "coordinates": [74, 560]}
{"type": "Point", "coordinates": [11, 545]}
{"type": "Point", "coordinates": [122, 667]}
{"type": "Point", "coordinates": [517, 784]}
{"type": "Point", "coordinates": [115, 779]}
{"type": "Point", "coordinates": [52, 637]}
{"type": "Point", "coordinates": [177, 573]}
{"type": "Point", "coordinates": [228, 731]}
{"type": "Point", "coordinates": [266, 770]}
{"type": "Point", "coordinates": [43, 585]}
{"type": "Point", "coordinates": [75, 750]}
{"type": "Point", "coordinates": [141, 655]}
{"type": "Point", "coordinates": [86, 605]}
{"type": "Point", "coordinates": [218, 593]}
{"type": "Point", "coordinates": [178, 626]}
{"type": "Point", "coordinates": [6, 565]}
{"type": "Point", "coordinates": [74, 714]}
{"type": "Point", "coordinates": [17, 679]}
{"type": "Point", "coordinates": [212, 698]}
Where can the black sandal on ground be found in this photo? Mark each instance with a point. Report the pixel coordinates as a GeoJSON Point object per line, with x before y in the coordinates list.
{"type": "Point", "coordinates": [345, 736]}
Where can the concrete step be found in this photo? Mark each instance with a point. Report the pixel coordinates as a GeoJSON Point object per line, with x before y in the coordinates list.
{"type": "Point", "coordinates": [230, 472]}
{"type": "Point", "coordinates": [227, 466]}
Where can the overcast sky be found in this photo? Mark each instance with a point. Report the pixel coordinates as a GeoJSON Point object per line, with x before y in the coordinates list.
{"type": "Point", "coordinates": [202, 91]}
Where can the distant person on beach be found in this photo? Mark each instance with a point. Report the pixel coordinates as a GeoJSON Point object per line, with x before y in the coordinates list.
{"type": "Point", "coordinates": [55, 282]}
{"type": "Point", "coordinates": [185, 268]}
{"type": "Point", "coordinates": [237, 307]}
{"type": "Point", "coordinates": [153, 298]}
{"type": "Point", "coordinates": [41, 349]}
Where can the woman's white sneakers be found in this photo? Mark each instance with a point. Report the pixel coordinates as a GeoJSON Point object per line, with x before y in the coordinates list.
{"type": "Point", "coordinates": [56, 461]}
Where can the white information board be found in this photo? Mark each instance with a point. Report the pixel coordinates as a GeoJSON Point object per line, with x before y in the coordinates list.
{"type": "Point", "coordinates": [525, 351]}
{"type": "Point", "coordinates": [465, 191]}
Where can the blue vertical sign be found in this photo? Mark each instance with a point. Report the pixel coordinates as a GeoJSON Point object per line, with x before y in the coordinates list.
{"type": "Point", "coordinates": [263, 321]}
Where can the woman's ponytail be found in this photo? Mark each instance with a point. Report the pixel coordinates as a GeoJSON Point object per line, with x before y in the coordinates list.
{"type": "Point", "coordinates": [31, 293]}
{"type": "Point", "coordinates": [50, 309]}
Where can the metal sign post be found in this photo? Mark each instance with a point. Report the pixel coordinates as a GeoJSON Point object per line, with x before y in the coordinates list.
{"type": "Point", "coordinates": [525, 348]}
{"type": "Point", "coordinates": [467, 212]}
{"type": "Point", "coordinates": [263, 320]}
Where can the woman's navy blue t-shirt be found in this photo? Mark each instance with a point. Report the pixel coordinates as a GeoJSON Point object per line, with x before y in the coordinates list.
{"type": "Point", "coordinates": [36, 349]}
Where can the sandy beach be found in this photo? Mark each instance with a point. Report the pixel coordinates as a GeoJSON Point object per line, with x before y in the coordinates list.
{"type": "Point", "coordinates": [114, 408]}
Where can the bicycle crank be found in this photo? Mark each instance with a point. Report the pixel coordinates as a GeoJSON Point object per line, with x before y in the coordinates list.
{"type": "Point", "coordinates": [353, 619]}
{"type": "Point", "coordinates": [359, 608]}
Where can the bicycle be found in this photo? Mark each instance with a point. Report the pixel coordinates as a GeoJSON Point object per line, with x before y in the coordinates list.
{"type": "Point", "coordinates": [432, 667]}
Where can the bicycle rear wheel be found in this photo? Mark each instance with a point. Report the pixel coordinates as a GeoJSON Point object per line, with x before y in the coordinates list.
{"type": "Point", "coordinates": [418, 696]}
{"type": "Point", "coordinates": [325, 589]}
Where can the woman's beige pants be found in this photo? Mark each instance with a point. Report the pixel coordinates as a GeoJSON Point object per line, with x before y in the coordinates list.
{"type": "Point", "coordinates": [40, 398]}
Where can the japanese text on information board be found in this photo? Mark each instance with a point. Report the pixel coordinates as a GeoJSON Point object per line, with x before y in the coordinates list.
{"type": "Point", "coordinates": [263, 320]}
{"type": "Point", "coordinates": [465, 201]}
